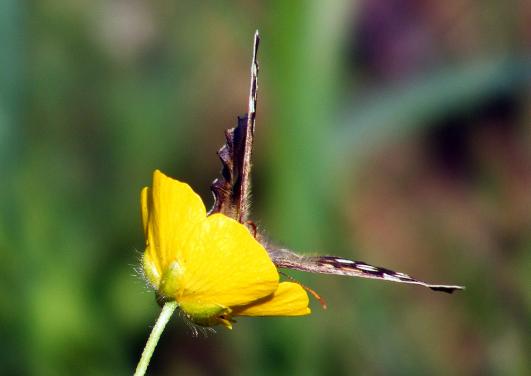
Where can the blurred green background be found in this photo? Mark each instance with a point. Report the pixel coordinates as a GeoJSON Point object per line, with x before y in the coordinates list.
{"type": "Point", "coordinates": [394, 132]}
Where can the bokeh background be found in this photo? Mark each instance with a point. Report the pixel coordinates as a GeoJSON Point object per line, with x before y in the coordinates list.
{"type": "Point", "coordinates": [396, 132]}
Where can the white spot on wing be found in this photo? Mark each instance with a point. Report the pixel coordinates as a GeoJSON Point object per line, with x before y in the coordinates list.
{"type": "Point", "coordinates": [345, 261]}
{"type": "Point", "coordinates": [390, 277]}
{"type": "Point", "coordinates": [368, 268]}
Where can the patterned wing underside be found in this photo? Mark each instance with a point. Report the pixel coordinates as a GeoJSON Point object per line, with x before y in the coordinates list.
{"type": "Point", "coordinates": [233, 188]}
{"type": "Point", "coordinates": [284, 258]}
{"type": "Point", "coordinates": [231, 198]}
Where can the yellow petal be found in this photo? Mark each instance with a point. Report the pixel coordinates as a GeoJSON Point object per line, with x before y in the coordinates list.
{"type": "Point", "coordinates": [289, 299]}
{"type": "Point", "coordinates": [144, 207]}
{"type": "Point", "coordinates": [170, 212]}
{"type": "Point", "coordinates": [224, 265]}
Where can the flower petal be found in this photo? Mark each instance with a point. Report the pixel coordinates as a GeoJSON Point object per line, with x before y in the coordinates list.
{"type": "Point", "coordinates": [289, 299]}
{"type": "Point", "coordinates": [224, 265]}
{"type": "Point", "coordinates": [170, 212]}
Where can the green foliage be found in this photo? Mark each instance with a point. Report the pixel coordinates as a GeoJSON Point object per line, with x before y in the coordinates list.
{"type": "Point", "coordinates": [95, 95]}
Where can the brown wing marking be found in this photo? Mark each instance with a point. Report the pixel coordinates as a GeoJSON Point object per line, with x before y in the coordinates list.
{"type": "Point", "coordinates": [284, 258]}
{"type": "Point", "coordinates": [232, 190]}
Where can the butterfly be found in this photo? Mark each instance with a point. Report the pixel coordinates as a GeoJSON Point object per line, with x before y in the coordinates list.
{"type": "Point", "coordinates": [231, 197]}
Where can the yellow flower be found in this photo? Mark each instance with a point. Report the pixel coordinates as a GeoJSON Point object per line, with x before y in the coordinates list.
{"type": "Point", "coordinates": [210, 265]}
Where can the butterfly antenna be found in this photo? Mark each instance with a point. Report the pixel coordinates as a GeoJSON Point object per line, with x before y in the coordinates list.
{"type": "Point", "coordinates": [308, 289]}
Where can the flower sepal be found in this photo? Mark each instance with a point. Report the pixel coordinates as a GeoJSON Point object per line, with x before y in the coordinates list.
{"type": "Point", "coordinates": [207, 314]}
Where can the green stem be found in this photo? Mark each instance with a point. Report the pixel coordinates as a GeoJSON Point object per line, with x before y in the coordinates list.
{"type": "Point", "coordinates": [153, 339]}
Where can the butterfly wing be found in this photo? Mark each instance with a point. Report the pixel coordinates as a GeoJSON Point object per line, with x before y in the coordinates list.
{"type": "Point", "coordinates": [284, 258]}
{"type": "Point", "coordinates": [232, 190]}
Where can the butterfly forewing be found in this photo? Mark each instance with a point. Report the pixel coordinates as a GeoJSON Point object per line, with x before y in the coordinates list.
{"type": "Point", "coordinates": [232, 190]}
{"type": "Point", "coordinates": [284, 258]}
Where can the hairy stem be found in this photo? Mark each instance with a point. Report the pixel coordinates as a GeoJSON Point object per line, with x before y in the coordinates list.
{"type": "Point", "coordinates": [153, 339]}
